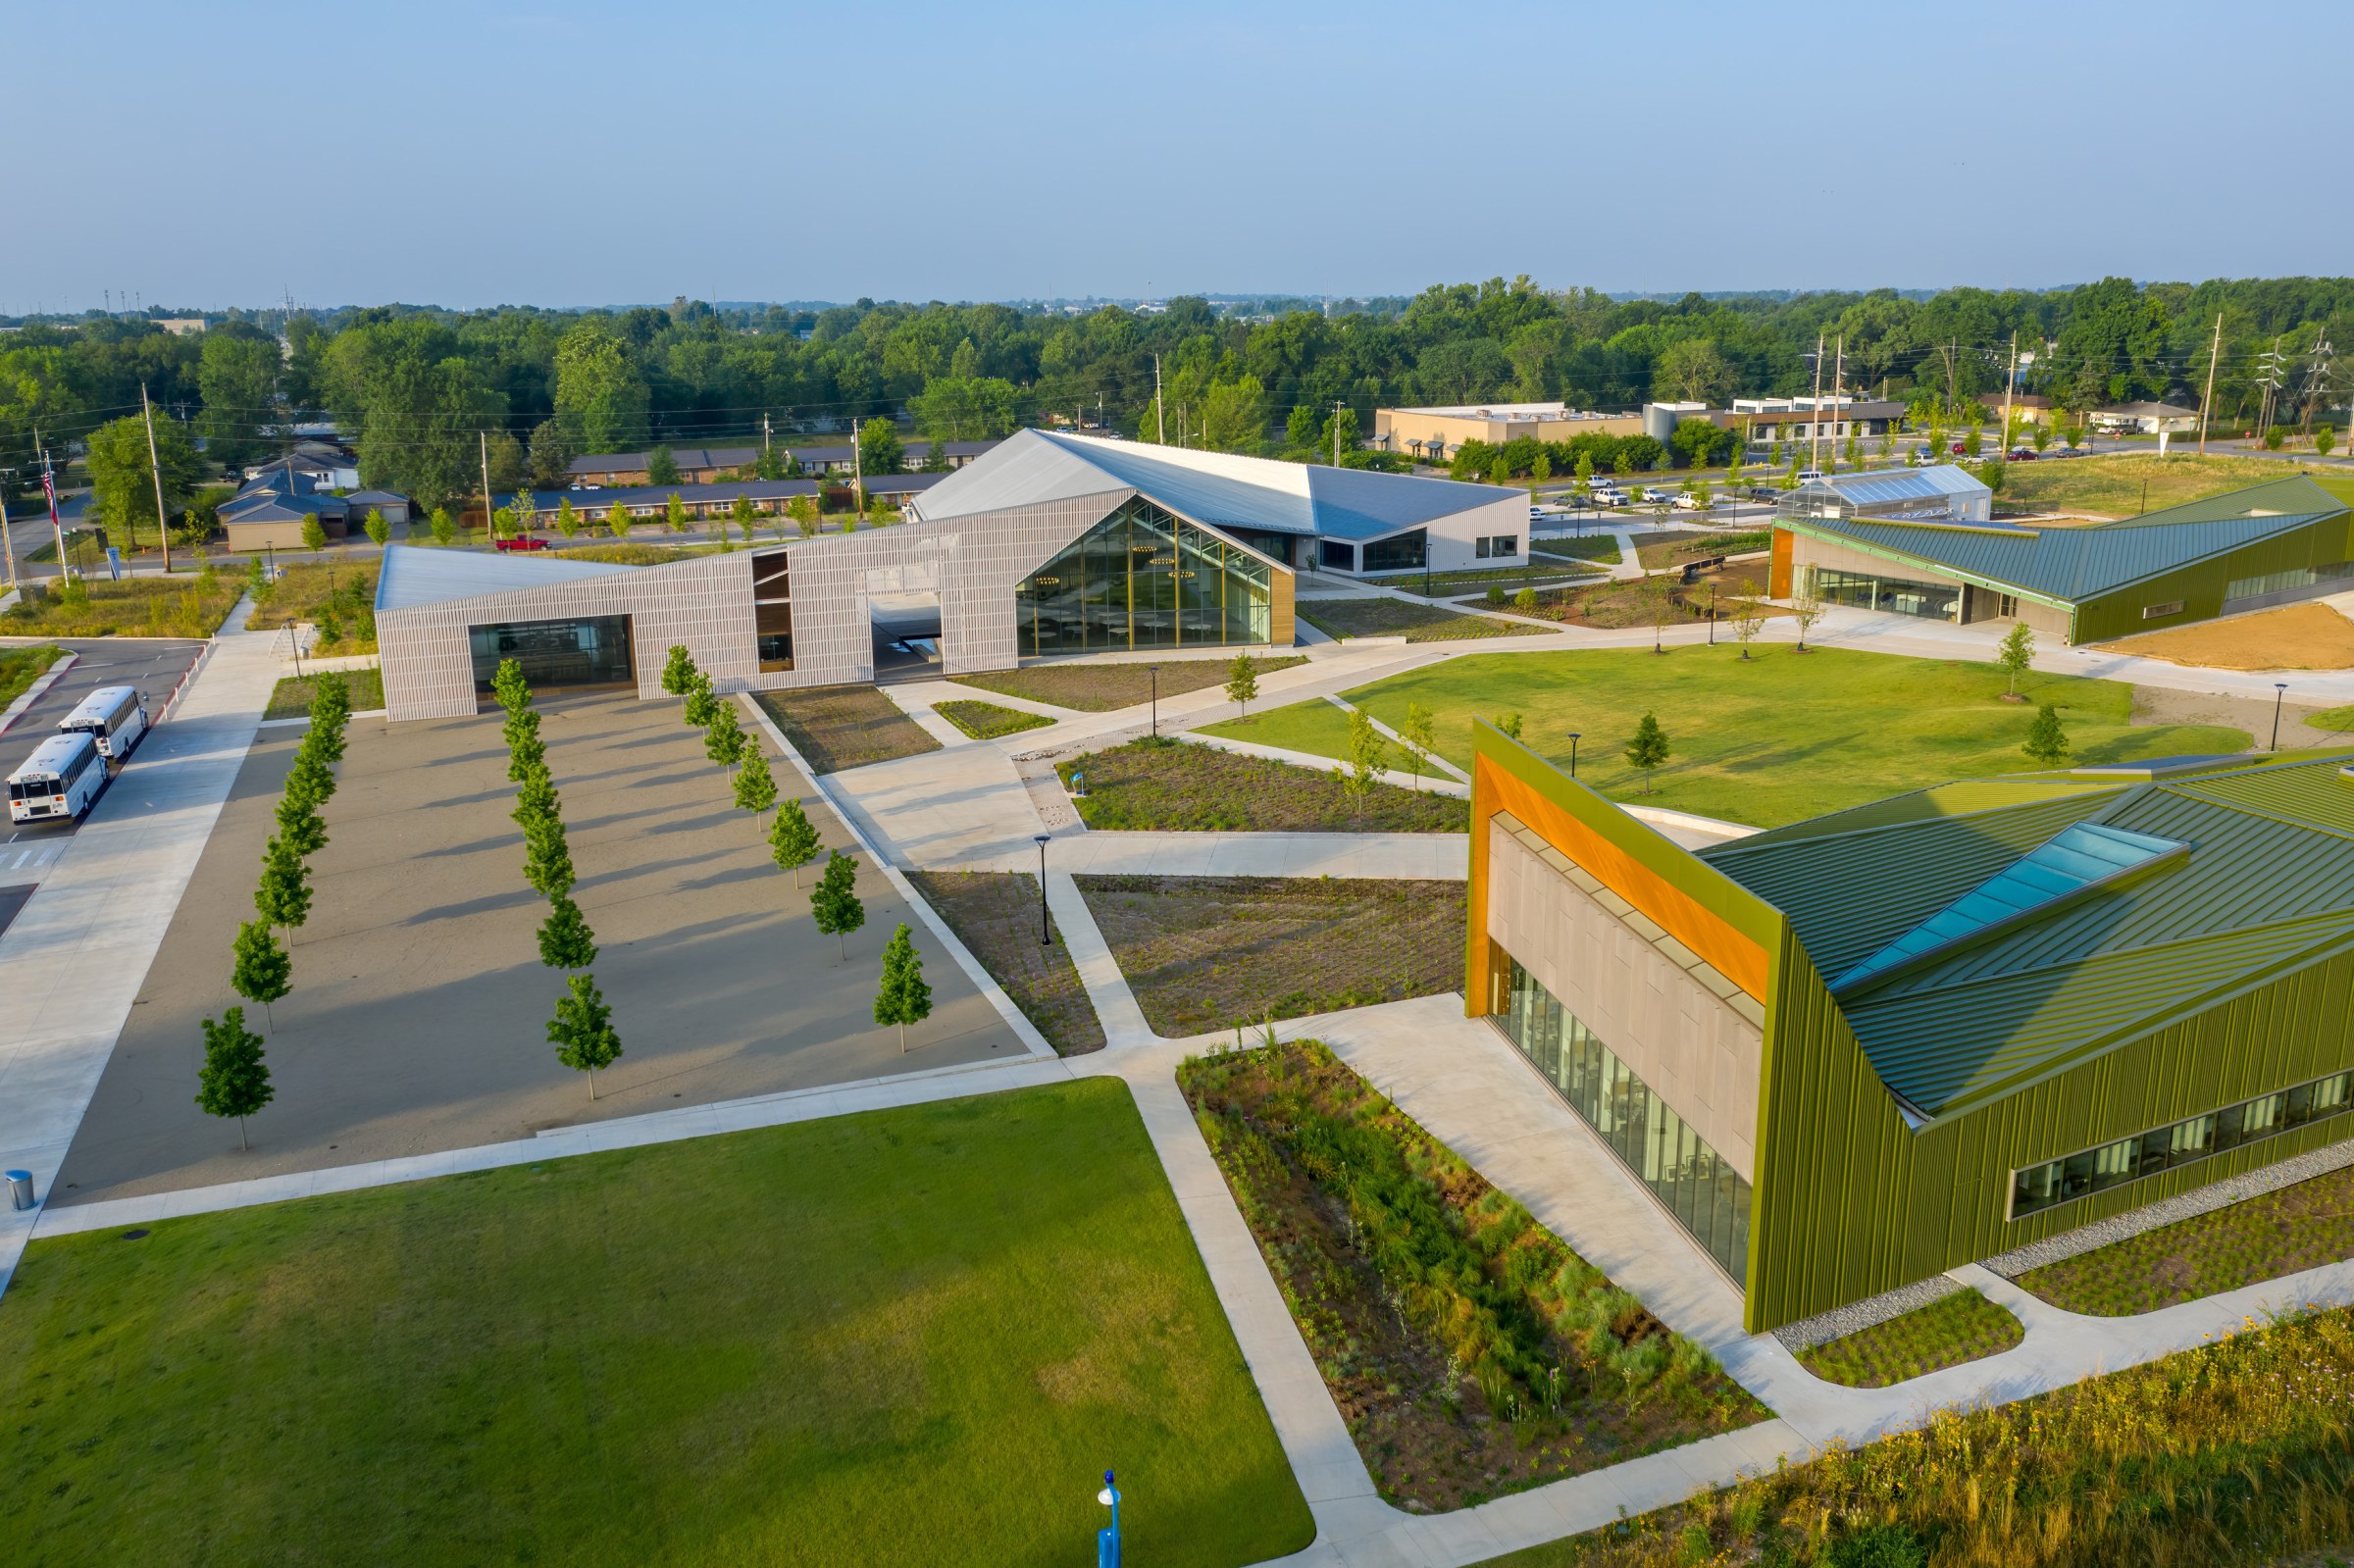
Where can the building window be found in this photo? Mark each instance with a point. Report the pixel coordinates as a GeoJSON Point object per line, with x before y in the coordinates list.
{"type": "Point", "coordinates": [2157, 612]}
{"type": "Point", "coordinates": [1695, 1184]}
{"type": "Point", "coordinates": [1145, 578]}
{"type": "Point", "coordinates": [590, 652]}
{"type": "Point", "coordinates": [1401, 552]}
{"type": "Point", "coordinates": [1339, 556]}
{"type": "Point", "coordinates": [2055, 1182]}
{"type": "Point", "coordinates": [2303, 577]}
{"type": "Point", "coordinates": [1491, 546]}
{"type": "Point", "coordinates": [1932, 601]}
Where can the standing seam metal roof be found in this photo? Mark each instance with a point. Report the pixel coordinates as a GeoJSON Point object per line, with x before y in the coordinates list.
{"type": "Point", "coordinates": [413, 576]}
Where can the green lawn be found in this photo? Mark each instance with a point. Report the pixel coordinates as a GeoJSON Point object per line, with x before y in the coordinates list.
{"type": "Point", "coordinates": [20, 668]}
{"type": "Point", "coordinates": [986, 720]}
{"type": "Point", "coordinates": [2113, 487]}
{"type": "Point", "coordinates": [290, 698]}
{"type": "Point", "coordinates": [1950, 1330]}
{"type": "Point", "coordinates": [1782, 737]}
{"type": "Point", "coordinates": [916, 1336]}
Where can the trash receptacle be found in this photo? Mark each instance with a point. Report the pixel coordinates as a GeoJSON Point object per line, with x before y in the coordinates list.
{"type": "Point", "coordinates": [20, 1190]}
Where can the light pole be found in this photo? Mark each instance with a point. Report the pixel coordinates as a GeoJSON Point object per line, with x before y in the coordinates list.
{"type": "Point", "coordinates": [1574, 735]}
{"type": "Point", "coordinates": [1107, 1540]}
{"type": "Point", "coordinates": [1712, 615]}
{"type": "Point", "coordinates": [2280, 691]}
{"type": "Point", "coordinates": [1044, 939]}
{"type": "Point", "coordinates": [1156, 673]}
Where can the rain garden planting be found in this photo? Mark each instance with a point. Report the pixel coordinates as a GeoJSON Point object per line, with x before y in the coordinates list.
{"type": "Point", "coordinates": [986, 720]}
{"type": "Point", "coordinates": [996, 915]}
{"type": "Point", "coordinates": [1470, 1352]}
{"type": "Point", "coordinates": [835, 727]}
{"type": "Point", "coordinates": [1948, 1332]}
{"type": "Point", "coordinates": [1176, 785]}
{"type": "Point", "coordinates": [1101, 687]}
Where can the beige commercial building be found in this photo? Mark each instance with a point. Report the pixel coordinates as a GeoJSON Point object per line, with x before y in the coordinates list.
{"type": "Point", "coordinates": [1434, 434]}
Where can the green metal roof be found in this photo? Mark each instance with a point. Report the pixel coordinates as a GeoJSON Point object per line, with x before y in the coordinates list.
{"type": "Point", "coordinates": [2070, 565]}
{"type": "Point", "coordinates": [2267, 884]}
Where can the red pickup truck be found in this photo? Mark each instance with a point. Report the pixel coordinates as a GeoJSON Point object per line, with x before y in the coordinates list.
{"type": "Point", "coordinates": [528, 541]}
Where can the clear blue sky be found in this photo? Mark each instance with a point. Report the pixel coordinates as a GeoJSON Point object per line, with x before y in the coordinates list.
{"type": "Point", "coordinates": [568, 154]}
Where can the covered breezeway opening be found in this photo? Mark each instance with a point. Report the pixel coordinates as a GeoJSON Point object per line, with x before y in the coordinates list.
{"type": "Point", "coordinates": [584, 651]}
{"type": "Point", "coordinates": [906, 630]}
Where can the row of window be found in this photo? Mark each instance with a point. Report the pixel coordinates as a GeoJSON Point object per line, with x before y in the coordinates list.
{"type": "Point", "coordinates": [1932, 601]}
{"type": "Point", "coordinates": [1490, 546]}
{"type": "Point", "coordinates": [2303, 577]}
{"type": "Point", "coordinates": [1707, 1196]}
{"type": "Point", "coordinates": [2130, 1159]}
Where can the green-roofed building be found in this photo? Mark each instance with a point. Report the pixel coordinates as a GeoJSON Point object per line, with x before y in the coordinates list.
{"type": "Point", "coordinates": [1869, 541]}
{"type": "Point", "coordinates": [1851, 1053]}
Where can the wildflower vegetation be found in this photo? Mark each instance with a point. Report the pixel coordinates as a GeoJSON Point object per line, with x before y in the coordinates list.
{"type": "Point", "coordinates": [2240, 1451]}
{"type": "Point", "coordinates": [1949, 1331]}
{"type": "Point", "coordinates": [986, 720]}
{"type": "Point", "coordinates": [340, 600]}
{"type": "Point", "coordinates": [292, 697]}
{"type": "Point", "coordinates": [1197, 789]}
{"type": "Point", "coordinates": [136, 607]}
{"type": "Point", "coordinates": [20, 668]}
{"type": "Point", "coordinates": [1202, 952]}
{"type": "Point", "coordinates": [835, 727]}
{"type": "Point", "coordinates": [1472, 1353]}
{"type": "Point", "coordinates": [2286, 1232]}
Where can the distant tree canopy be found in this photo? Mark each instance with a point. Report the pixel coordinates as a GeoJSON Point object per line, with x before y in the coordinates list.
{"type": "Point", "coordinates": [418, 387]}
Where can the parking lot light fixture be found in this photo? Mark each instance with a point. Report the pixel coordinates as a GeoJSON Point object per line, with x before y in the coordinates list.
{"type": "Point", "coordinates": [2280, 691]}
{"type": "Point", "coordinates": [1044, 931]}
{"type": "Point", "coordinates": [1573, 737]}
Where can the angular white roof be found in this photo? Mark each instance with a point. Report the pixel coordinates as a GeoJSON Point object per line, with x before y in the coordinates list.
{"type": "Point", "coordinates": [414, 574]}
{"type": "Point", "coordinates": [1214, 488]}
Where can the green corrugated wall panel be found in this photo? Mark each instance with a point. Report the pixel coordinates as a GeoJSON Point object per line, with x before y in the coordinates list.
{"type": "Point", "coordinates": [2200, 586]}
{"type": "Point", "coordinates": [1851, 1202]}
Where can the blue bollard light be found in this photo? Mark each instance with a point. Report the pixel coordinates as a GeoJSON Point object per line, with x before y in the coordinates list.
{"type": "Point", "coordinates": [1107, 1540]}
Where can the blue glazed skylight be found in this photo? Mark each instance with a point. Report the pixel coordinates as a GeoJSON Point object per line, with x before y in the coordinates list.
{"type": "Point", "coordinates": [2072, 862]}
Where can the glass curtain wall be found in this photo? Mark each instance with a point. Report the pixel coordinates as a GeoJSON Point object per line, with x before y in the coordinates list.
{"type": "Point", "coordinates": [1932, 601]}
{"type": "Point", "coordinates": [1704, 1194]}
{"type": "Point", "coordinates": [590, 652]}
{"type": "Point", "coordinates": [1145, 578]}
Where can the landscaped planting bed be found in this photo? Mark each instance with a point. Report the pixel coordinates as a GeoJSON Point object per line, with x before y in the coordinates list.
{"type": "Point", "coordinates": [340, 600]}
{"type": "Point", "coordinates": [1101, 687]}
{"type": "Point", "coordinates": [996, 915]}
{"type": "Point", "coordinates": [2240, 1451]}
{"type": "Point", "coordinates": [1213, 953]}
{"type": "Point", "coordinates": [1949, 1331]}
{"type": "Point", "coordinates": [1682, 547]}
{"type": "Point", "coordinates": [911, 1336]}
{"type": "Point", "coordinates": [986, 720]}
{"type": "Point", "coordinates": [1471, 1353]}
{"type": "Point", "coordinates": [20, 668]}
{"type": "Point", "coordinates": [1178, 785]}
{"type": "Point", "coordinates": [1418, 623]}
{"type": "Point", "coordinates": [2263, 1238]}
{"type": "Point", "coordinates": [290, 698]}
{"type": "Point", "coordinates": [189, 606]}
{"type": "Point", "coordinates": [845, 726]}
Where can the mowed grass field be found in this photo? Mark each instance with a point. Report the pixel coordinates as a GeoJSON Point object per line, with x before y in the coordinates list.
{"type": "Point", "coordinates": [2113, 487]}
{"type": "Point", "coordinates": [1784, 736]}
{"type": "Point", "coordinates": [915, 1336]}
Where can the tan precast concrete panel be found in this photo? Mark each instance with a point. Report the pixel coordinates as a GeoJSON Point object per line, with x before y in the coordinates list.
{"type": "Point", "coordinates": [1697, 1054]}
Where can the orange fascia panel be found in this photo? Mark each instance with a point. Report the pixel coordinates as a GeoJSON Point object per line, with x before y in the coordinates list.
{"type": "Point", "coordinates": [1734, 955]}
{"type": "Point", "coordinates": [1777, 585]}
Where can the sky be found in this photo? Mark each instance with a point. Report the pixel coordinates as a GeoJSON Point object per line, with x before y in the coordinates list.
{"type": "Point", "coordinates": [579, 154]}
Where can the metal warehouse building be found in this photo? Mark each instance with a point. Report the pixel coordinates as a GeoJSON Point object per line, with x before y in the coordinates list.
{"type": "Point", "coordinates": [1851, 1053]}
{"type": "Point", "coordinates": [1047, 545]}
{"type": "Point", "coordinates": [1919, 542]}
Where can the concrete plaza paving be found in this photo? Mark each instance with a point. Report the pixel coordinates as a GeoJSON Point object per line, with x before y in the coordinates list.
{"type": "Point", "coordinates": [418, 1017]}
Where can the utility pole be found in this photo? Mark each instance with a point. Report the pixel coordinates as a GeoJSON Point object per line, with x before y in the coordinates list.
{"type": "Point", "coordinates": [155, 472]}
{"type": "Point", "coordinates": [1336, 433]}
{"type": "Point", "coordinates": [1838, 414]}
{"type": "Point", "coordinates": [8, 543]}
{"type": "Point", "coordinates": [2271, 383]}
{"type": "Point", "coordinates": [490, 511]}
{"type": "Point", "coordinates": [1815, 423]}
{"type": "Point", "coordinates": [767, 436]}
{"type": "Point", "coordinates": [1160, 411]}
{"type": "Point", "coordinates": [2207, 397]}
{"type": "Point", "coordinates": [2010, 382]}
{"type": "Point", "coordinates": [857, 471]}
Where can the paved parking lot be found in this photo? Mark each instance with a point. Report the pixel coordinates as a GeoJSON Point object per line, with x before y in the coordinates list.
{"type": "Point", "coordinates": [419, 1013]}
{"type": "Point", "coordinates": [152, 664]}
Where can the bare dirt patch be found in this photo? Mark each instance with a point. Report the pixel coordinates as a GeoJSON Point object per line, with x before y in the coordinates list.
{"type": "Point", "coordinates": [1214, 953]}
{"type": "Point", "coordinates": [2293, 636]}
{"type": "Point", "coordinates": [995, 914]}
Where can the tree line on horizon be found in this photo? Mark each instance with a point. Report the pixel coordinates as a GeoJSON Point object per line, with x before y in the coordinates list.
{"type": "Point", "coordinates": [428, 393]}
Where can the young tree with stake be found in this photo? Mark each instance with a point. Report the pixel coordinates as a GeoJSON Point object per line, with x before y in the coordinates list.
{"type": "Point", "coordinates": [1242, 682]}
{"type": "Point", "coordinates": [701, 701]}
{"type": "Point", "coordinates": [284, 897]}
{"type": "Point", "coordinates": [1420, 738]}
{"type": "Point", "coordinates": [1649, 750]}
{"type": "Point", "coordinates": [260, 972]}
{"type": "Point", "coordinates": [1806, 610]}
{"type": "Point", "coordinates": [235, 1081]}
{"type": "Point", "coordinates": [1748, 622]}
{"type": "Point", "coordinates": [2015, 653]}
{"type": "Point", "coordinates": [834, 902]}
{"type": "Point", "coordinates": [582, 1031]}
{"type": "Point", "coordinates": [792, 841]}
{"type": "Point", "coordinates": [755, 786]}
{"type": "Point", "coordinates": [1368, 754]}
{"type": "Point", "coordinates": [903, 998]}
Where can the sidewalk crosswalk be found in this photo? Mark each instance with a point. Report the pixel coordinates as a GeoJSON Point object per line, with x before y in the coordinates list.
{"type": "Point", "coordinates": [32, 857]}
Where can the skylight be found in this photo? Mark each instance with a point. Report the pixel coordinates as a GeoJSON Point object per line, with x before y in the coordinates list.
{"type": "Point", "coordinates": [2073, 862]}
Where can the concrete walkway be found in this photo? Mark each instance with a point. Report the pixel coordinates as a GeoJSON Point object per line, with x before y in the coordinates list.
{"type": "Point", "coordinates": [73, 961]}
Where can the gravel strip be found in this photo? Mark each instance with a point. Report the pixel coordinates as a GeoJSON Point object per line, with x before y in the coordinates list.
{"type": "Point", "coordinates": [2181, 1207]}
{"type": "Point", "coordinates": [1857, 1316]}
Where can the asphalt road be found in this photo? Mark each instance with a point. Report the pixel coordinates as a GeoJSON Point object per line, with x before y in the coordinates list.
{"type": "Point", "coordinates": [154, 666]}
